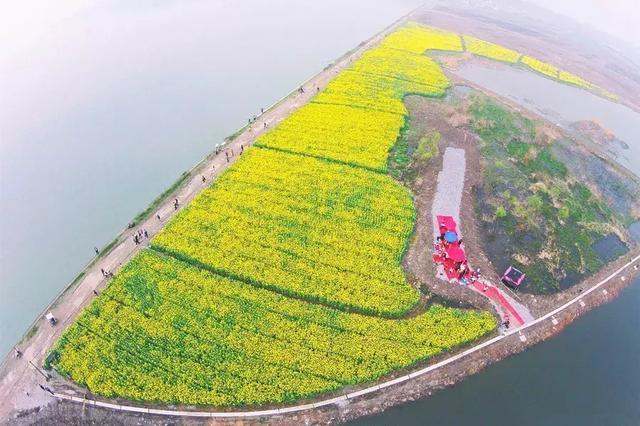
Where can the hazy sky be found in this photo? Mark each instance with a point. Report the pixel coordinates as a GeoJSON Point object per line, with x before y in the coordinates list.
{"type": "Point", "coordinates": [620, 18]}
{"type": "Point", "coordinates": [22, 22]}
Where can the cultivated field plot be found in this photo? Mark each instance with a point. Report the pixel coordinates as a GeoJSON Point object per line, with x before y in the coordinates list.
{"type": "Point", "coordinates": [280, 280]}
{"type": "Point", "coordinates": [309, 228]}
{"type": "Point", "coordinates": [344, 133]}
{"type": "Point", "coordinates": [167, 331]}
{"type": "Point", "coordinates": [490, 50]}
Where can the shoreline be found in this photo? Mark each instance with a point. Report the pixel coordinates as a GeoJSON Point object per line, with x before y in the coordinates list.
{"type": "Point", "coordinates": [324, 409]}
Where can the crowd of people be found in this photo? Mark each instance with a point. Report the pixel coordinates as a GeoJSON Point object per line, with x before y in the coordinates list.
{"type": "Point", "coordinates": [457, 268]}
{"type": "Point", "coordinates": [140, 233]}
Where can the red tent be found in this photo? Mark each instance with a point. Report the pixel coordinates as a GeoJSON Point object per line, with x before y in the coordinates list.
{"type": "Point", "coordinates": [448, 223]}
{"type": "Point", "coordinates": [456, 253]}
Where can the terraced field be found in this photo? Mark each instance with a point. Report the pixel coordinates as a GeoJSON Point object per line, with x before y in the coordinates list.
{"type": "Point", "coordinates": [283, 279]}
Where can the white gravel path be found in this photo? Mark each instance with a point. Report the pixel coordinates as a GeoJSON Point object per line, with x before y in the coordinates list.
{"type": "Point", "coordinates": [450, 185]}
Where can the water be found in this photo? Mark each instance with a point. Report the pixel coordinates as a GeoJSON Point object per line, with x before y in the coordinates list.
{"type": "Point", "coordinates": [588, 375]}
{"type": "Point", "coordinates": [103, 110]}
{"type": "Point", "coordinates": [634, 231]}
{"type": "Point", "coordinates": [610, 248]}
{"type": "Point", "coordinates": [562, 104]}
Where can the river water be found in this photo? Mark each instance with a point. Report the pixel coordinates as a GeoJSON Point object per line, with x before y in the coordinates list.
{"type": "Point", "coordinates": [105, 109]}
{"type": "Point", "coordinates": [587, 375]}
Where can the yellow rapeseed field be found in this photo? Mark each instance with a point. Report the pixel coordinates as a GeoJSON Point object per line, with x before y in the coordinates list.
{"type": "Point", "coordinates": [280, 280]}
{"type": "Point", "coordinates": [417, 38]}
{"type": "Point", "coordinates": [490, 50]}
{"type": "Point", "coordinates": [167, 331]}
{"type": "Point", "coordinates": [349, 134]}
{"type": "Point", "coordinates": [309, 228]}
{"type": "Point", "coordinates": [541, 67]}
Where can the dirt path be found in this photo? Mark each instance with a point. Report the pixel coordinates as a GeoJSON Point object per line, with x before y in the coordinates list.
{"type": "Point", "coordinates": [19, 378]}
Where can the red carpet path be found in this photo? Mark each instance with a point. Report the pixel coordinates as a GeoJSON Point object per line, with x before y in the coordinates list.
{"type": "Point", "coordinates": [495, 295]}
{"type": "Point", "coordinates": [447, 223]}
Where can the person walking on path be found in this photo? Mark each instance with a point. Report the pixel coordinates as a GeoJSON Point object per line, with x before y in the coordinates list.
{"type": "Point", "coordinates": [204, 179]}
{"type": "Point", "coordinates": [158, 217]}
{"type": "Point", "coordinates": [146, 234]}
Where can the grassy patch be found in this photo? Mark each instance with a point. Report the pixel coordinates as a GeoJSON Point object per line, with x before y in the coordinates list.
{"type": "Point", "coordinates": [161, 198]}
{"type": "Point", "coordinates": [535, 213]}
{"type": "Point", "coordinates": [414, 148]}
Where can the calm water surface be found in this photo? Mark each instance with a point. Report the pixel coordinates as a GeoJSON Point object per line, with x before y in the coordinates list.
{"type": "Point", "coordinates": [106, 108]}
